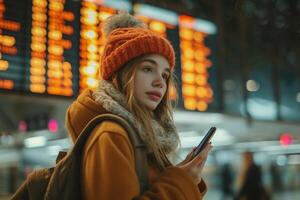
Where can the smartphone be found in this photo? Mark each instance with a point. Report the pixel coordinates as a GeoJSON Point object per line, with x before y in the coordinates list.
{"type": "Point", "coordinates": [204, 141]}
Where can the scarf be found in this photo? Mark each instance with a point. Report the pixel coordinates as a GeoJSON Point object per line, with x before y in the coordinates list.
{"type": "Point", "coordinates": [113, 101]}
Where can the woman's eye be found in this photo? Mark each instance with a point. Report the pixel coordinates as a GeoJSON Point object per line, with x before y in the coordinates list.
{"type": "Point", "coordinates": [147, 69]}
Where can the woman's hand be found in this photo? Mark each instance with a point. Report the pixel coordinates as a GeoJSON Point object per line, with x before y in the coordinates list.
{"type": "Point", "coordinates": [195, 166]}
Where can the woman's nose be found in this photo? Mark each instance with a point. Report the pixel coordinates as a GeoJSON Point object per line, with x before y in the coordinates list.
{"type": "Point", "coordinates": [158, 82]}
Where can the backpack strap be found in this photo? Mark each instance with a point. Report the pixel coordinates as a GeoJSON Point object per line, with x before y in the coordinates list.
{"type": "Point", "coordinates": [141, 164]}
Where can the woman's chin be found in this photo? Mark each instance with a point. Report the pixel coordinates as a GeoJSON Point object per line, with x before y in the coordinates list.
{"type": "Point", "coordinates": [151, 106]}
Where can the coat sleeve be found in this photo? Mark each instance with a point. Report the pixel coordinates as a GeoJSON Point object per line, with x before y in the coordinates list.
{"type": "Point", "coordinates": [109, 173]}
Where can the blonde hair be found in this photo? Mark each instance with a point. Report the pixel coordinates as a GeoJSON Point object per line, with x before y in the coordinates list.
{"type": "Point", "coordinates": [123, 80]}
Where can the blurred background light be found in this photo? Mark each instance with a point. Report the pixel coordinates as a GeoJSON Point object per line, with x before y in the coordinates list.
{"type": "Point", "coordinates": [53, 125]}
{"type": "Point", "coordinates": [252, 86]}
{"type": "Point", "coordinates": [37, 141]}
{"type": "Point", "coordinates": [22, 126]}
{"type": "Point", "coordinates": [286, 139]}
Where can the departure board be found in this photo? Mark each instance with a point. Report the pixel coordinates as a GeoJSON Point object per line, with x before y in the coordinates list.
{"type": "Point", "coordinates": [52, 67]}
{"type": "Point", "coordinates": [54, 47]}
{"type": "Point", "coordinates": [197, 92]}
{"type": "Point", "coordinates": [92, 15]}
{"type": "Point", "coordinates": [12, 44]}
{"type": "Point", "coordinates": [38, 46]}
{"type": "Point", "coordinates": [91, 42]}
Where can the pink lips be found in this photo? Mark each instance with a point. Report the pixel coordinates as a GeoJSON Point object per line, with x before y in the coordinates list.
{"type": "Point", "coordinates": [153, 95]}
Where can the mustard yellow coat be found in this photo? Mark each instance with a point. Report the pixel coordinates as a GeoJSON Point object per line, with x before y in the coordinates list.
{"type": "Point", "coordinates": [108, 166]}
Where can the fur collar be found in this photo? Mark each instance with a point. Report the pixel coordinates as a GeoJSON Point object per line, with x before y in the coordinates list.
{"type": "Point", "coordinates": [114, 101]}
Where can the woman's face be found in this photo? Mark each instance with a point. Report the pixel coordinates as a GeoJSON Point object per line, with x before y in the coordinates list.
{"type": "Point", "coordinates": [150, 81]}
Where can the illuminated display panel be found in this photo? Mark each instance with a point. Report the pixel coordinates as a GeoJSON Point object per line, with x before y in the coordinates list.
{"type": "Point", "coordinates": [12, 44]}
{"type": "Point", "coordinates": [92, 15]}
{"type": "Point", "coordinates": [53, 60]}
{"type": "Point", "coordinates": [161, 21]}
{"type": "Point", "coordinates": [46, 52]}
{"type": "Point", "coordinates": [91, 42]}
{"type": "Point", "coordinates": [196, 90]}
{"type": "Point", "coordinates": [59, 43]}
{"type": "Point", "coordinates": [37, 62]}
{"type": "Point", "coordinates": [38, 46]}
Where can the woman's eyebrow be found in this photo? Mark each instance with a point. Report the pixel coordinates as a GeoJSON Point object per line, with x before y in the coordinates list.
{"type": "Point", "coordinates": [151, 61]}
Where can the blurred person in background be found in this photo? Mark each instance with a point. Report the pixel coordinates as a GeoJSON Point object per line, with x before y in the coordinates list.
{"type": "Point", "coordinates": [249, 180]}
{"type": "Point", "coordinates": [226, 182]}
{"type": "Point", "coordinates": [275, 177]}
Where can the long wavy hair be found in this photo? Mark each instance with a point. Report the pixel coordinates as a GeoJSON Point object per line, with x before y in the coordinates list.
{"type": "Point", "coordinates": [123, 80]}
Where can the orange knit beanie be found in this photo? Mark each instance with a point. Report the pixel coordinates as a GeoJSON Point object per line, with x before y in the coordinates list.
{"type": "Point", "coordinates": [128, 38]}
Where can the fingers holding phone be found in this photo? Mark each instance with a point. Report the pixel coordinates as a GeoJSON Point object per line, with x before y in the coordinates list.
{"type": "Point", "coordinates": [201, 157]}
{"type": "Point", "coordinates": [188, 157]}
{"type": "Point", "coordinates": [195, 166]}
{"type": "Point", "coordinates": [194, 162]}
{"type": "Point", "coordinates": [206, 139]}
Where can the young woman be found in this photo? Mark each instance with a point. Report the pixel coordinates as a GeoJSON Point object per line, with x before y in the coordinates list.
{"type": "Point", "coordinates": [135, 74]}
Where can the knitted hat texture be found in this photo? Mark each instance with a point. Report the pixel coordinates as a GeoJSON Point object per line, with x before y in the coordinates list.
{"type": "Point", "coordinates": [127, 40]}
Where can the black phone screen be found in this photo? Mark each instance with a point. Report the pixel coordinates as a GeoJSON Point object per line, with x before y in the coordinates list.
{"type": "Point", "coordinates": [204, 141]}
